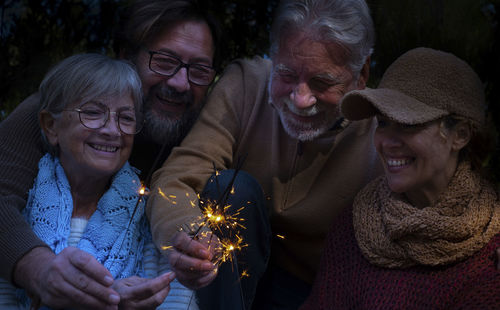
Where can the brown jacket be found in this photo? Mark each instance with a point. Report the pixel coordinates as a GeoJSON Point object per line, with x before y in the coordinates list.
{"type": "Point", "coordinates": [307, 183]}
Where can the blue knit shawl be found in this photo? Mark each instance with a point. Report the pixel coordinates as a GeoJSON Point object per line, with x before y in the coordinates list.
{"type": "Point", "coordinates": [50, 207]}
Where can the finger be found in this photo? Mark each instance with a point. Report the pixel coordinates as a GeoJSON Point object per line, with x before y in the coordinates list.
{"type": "Point", "coordinates": [65, 296]}
{"type": "Point", "coordinates": [91, 267]}
{"type": "Point", "coordinates": [206, 279]}
{"type": "Point", "coordinates": [211, 242]}
{"type": "Point", "coordinates": [184, 263]}
{"type": "Point", "coordinates": [55, 289]}
{"type": "Point", "coordinates": [85, 287]}
{"type": "Point", "coordinates": [152, 301]}
{"type": "Point", "coordinates": [150, 287]}
{"type": "Point", "coordinates": [198, 281]}
{"type": "Point", "coordinates": [85, 291]}
{"type": "Point", "coordinates": [183, 243]}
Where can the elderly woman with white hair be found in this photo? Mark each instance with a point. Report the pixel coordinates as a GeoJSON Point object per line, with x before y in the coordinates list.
{"type": "Point", "coordinates": [422, 236]}
{"type": "Point", "coordinates": [86, 195]}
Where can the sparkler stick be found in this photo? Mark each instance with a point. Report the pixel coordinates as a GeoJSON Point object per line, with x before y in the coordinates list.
{"type": "Point", "coordinates": [142, 192]}
{"type": "Point", "coordinates": [228, 246]}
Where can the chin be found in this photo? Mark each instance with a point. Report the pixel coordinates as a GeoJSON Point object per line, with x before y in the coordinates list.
{"type": "Point", "coordinates": [302, 132]}
{"type": "Point", "coordinates": [397, 186]}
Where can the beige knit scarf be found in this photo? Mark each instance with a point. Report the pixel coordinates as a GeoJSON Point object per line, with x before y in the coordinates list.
{"type": "Point", "coordinates": [392, 233]}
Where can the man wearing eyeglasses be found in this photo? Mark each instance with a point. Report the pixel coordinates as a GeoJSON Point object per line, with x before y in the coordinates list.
{"type": "Point", "coordinates": [173, 46]}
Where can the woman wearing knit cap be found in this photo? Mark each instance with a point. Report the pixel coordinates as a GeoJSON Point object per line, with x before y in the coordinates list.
{"type": "Point", "coordinates": [422, 236]}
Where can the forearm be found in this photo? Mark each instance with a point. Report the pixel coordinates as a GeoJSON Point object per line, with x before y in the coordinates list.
{"type": "Point", "coordinates": [20, 151]}
{"type": "Point", "coordinates": [27, 271]}
{"type": "Point", "coordinates": [16, 238]}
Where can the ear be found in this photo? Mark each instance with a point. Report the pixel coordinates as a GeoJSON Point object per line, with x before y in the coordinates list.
{"type": "Point", "coordinates": [48, 126]}
{"type": "Point", "coordinates": [461, 136]}
{"type": "Point", "coordinates": [364, 74]}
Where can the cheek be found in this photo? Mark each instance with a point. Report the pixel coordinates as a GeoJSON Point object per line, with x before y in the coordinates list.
{"type": "Point", "coordinates": [377, 141]}
{"type": "Point", "coordinates": [128, 142]}
{"type": "Point", "coordinates": [331, 98]}
{"type": "Point", "coordinates": [279, 90]}
{"type": "Point", "coordinates": [148, 78]}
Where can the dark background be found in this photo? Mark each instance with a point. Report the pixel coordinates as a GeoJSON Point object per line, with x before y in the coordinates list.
{"type": "Point", "coordinates": [35, 34]}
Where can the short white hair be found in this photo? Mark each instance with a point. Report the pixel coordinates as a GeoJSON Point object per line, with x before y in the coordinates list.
{"type": "Point", "coordinates": [344, 22]}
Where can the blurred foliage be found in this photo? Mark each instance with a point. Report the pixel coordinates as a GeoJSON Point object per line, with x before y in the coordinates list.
{"type": "Point", "coordinates": [35, 34]}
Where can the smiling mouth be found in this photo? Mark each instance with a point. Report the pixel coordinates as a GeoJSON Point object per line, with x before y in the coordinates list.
{"type": "Point", "coordinates": [398, 162]}
{"type": "Point", "coordinates": [104, 148]}
{"type": "Point", "coordinates": [170, 102]}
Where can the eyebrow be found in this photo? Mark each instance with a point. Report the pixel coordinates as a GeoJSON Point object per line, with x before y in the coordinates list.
{"type": "Point", "coordinates": [330, 77]}
{"type": "Point", "coordinates": [201, 60]}
{"type": "Point", "coordinates": [326, 75]}
{"type": "Point", "coordinates": [282, 67]}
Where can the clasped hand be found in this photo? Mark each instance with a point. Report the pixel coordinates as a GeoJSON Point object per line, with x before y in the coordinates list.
{"type": "Point", "coordinates": [75, 279]}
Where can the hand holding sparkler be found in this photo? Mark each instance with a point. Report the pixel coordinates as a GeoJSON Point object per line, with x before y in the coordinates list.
{"type": "Point", "coordinates": [191, 260]}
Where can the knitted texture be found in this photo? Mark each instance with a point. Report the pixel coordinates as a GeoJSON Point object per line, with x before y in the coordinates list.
{"type": "Point", "coordinates": [346, 280]}
{"type": "Point", "coordinates": [393, 233]}
{"type": "Point", "coordinates": [106, 236]}
{"type": "Point", "coordinates": [20, 151]}
{"type": "Point", "coordinates": [421, 85]}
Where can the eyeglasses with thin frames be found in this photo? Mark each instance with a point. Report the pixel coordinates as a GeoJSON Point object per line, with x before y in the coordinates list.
{"type": "Point", "coordinates": [95, 115]}
{"type": "Point", "coordinates": [168, 65]}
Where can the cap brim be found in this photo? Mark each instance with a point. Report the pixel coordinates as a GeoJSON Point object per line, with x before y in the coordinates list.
{"type": "Point", "coordinates": [361, 104]}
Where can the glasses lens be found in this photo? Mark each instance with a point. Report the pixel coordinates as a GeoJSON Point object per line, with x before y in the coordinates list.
{"type": "Point", "coordinates": [93, 115]}
{"type": "Point", "coordinates": [127, 121]}
{"type": "Point", "coordinates": [201, 75]}
{"type": "Point", "coordinates": [163, 64]}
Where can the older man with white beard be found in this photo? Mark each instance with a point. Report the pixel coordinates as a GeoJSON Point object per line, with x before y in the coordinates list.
{"type": "Point", "coordinates": [283, 117]}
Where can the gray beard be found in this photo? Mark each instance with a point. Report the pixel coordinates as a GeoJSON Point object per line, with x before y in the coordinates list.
{"type": "Point", "coordinates": [164, 130]}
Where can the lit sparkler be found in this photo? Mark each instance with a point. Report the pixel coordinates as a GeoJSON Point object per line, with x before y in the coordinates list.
{"type": "Point", "coordinates": [216, 217]}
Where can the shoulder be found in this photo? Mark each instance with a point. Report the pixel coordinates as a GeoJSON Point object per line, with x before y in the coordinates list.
{"type": "Point", "coordinates": [247, 70]}
{"type": "Point", "coordinates": [25, 114]}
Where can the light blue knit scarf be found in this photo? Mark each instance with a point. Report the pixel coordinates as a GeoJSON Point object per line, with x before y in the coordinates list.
{"type": "Point", "coordinates": [106, 236]}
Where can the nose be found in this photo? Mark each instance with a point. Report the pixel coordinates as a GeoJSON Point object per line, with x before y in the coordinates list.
{"type": "Point", "coordinates": [111, 126]}
{"type": "Point", "coordinates": [388, 138]}
{"type": "Point", "coordinates": [180, 81]}
{"type": "Point", "coordinates": [302, 96]}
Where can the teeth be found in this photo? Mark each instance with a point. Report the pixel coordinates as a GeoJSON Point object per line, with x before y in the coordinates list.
{"type": "Point", "coordinates": [398, 162]}
{"type": "Point", "coordinates": [104, 148]}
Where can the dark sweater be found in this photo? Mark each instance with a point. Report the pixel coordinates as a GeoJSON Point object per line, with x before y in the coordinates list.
{"type": "Point", "coordinates": [346, 280]}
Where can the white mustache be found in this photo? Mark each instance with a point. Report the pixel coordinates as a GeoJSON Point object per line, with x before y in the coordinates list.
{"type": "Point", "coordinates": [310, 111]}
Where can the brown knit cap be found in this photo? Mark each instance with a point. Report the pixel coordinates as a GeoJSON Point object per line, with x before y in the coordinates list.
{"type": "Point", "coordinates": [420, 86]}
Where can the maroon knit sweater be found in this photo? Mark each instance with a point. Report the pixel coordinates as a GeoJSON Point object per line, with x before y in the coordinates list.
{"type": "Point", "coordinates": [346, 280]}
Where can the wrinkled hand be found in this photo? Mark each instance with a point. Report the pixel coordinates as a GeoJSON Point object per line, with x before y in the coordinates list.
{"type": "Point", "coordinates": [72, 279]}
{"type": "Point", "coordinates": [141, 293]}
{"type": "Point", "coordinates": [191, 259]}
